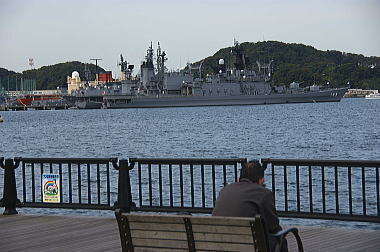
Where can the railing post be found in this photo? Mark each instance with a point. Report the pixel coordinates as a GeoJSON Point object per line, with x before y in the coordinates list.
{"type": "Point", "coordinates": [124, 190]}
{"type": "Point", "coordinates": [10, 193]}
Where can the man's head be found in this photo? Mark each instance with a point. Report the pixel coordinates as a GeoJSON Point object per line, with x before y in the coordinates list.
{"type": "Point", "coordinates": [253, 171]}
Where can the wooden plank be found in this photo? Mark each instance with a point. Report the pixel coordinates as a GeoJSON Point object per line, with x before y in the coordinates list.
{"type": "Point", "coordinates": [225, 221]}
{"type": "Point", "coordinates": [48, 225]}
{"type": "Point", "coordinates": [157, 226]}
{"type": "Point", "coordinates": [214, 220]}
{"type": "Point", "coordinates": [220, 246]}
{"type": "Point", "coordinates": [78, 235]}
{"type": "Point", "coordinates": [101, 234]}
{"type": "Point", "coordinates": [146, 249]}
{"type": "Point", "coordinates": [68, 233]}
{"type": "Point", "coordinates": [159, 235]}
{"type": "Point", "coordinates": [160, 243]}
{"type": "Point", "coordinates": [154, 218]}
{"type": "Point", "coordinates": [221, 229]}
{"type": "Point", "coordinates": [223, 238]}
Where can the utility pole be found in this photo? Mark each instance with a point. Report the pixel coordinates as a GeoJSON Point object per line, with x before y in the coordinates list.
{"type": "Point", "coordinates": [97, 72]}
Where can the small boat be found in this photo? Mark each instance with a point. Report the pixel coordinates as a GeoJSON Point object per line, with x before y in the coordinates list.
{"type": "Point", "coordinates": [38, 99]}
{"type": "Point", "coordinates": [373, 96]}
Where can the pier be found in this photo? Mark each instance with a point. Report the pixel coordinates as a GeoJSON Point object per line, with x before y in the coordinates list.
{"type": "Point", "coordinates": [344, 190]}
{"type": "Point", "coordinates": [85, 233]}
{"type": "Point", "coordinates": [34, 107]}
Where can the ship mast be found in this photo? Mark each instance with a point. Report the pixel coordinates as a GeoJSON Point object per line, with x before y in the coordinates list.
{"type": "Point", "coordinates": [161, 58]}
{"type": "Point", "coordinates": [97, 70]}
{"type": "Point", "coordinates": [240, 57]}
{"type": "Point", "coordinates": [148, 78]}
{"type": "Point", "coordinates": [125, 70]}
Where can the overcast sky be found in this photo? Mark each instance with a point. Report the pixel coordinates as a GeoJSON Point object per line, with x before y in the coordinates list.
{"type": "Point", "coordinates": [54, 31]}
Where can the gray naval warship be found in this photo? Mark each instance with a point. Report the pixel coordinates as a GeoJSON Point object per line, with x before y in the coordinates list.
{"type": "Point", "coordinates": [235, 85]}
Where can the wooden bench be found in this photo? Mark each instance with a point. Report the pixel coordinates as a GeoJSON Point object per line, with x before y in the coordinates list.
{"type": "Point", "coordinates": [152, 232]}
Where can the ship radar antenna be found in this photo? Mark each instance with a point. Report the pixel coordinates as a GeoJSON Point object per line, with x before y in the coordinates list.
{"type": "Point", "coordinates": [87, 72]}
{"type": "Point", "coordinates": [97, 69]}
{"type": "Point", "coordinates": [124, 69]}
{"type": "Point", "coordinates": [31, 63]}
{"type": "Point", "coordinates": [161, 58]}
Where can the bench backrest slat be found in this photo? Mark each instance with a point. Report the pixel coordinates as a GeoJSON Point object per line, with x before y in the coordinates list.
{"type": "Point", "coordinates": [222, 229]}
{"type": "Point", "coordinates": [157, 232]}
{"type": "Point", "coordinates": [146, 249]}
{"type": "Point", "coordinates": [212, 237]}
{"type": "Point", "coordinates": [157, 226]}
{"type": "Point", "coordinates": [160, 243]}
{"type": "Point", "coordinates": [225, 247]}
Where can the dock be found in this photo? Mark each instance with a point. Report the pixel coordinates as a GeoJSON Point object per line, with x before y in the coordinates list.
{"type": "Point", "coordinates": [100, 233]}
{"type": "Point", "coordinates": [35, 107]}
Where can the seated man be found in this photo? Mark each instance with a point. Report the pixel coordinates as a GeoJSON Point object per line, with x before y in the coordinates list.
{"type": "Point", "coordinates": [249, 197]}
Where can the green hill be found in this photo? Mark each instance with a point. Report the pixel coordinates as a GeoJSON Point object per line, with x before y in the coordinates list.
{"type": "Point", "coordinates": [301, 63]}
{"type": "Point", "coordinates": [48, 77]}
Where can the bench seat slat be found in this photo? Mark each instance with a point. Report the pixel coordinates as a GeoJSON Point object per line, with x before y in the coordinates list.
{"type": "Point", "coordinates": [232, 238]}
{"type": "Point", "coordinates": [158, 235]}
{"type": "Point", "coordinates": [157, 227]}
{"type": "Point", "coordinates": [160, 243]}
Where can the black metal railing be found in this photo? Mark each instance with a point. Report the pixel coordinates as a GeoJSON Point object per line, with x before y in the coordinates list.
{"type": "Point", "coordinates": [180, 184]}
{"type": "Point", "coordinates": [85, 183]}
{"type": "Point", "coordinates": [325, 189]}
{"type": "Point", "coordinates": [328, 189]}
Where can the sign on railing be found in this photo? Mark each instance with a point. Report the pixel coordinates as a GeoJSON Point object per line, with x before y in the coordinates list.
{"type": "Point", "coordinates": [75, 183]}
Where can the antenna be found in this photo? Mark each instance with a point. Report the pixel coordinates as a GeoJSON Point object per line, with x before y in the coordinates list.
{"type": "Point", "coordinates": [124, 68]}
{"type": "Point", "coordinates": [97, 72]}
{"type": "Point", "coordinates": [87, 72]}
{"type": "Point", "coordinates": [31, 63]}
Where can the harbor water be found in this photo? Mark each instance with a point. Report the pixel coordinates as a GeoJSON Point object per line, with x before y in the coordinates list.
{"type": "Point", "coordinates": [347, 130]}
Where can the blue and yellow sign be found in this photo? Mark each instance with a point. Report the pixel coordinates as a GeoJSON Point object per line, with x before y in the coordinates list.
{"type": "Point", "coordinates": [50, 188]}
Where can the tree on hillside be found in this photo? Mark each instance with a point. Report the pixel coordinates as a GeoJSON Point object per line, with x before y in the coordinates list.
{"type": "Point", "coordinates": [301, 63]}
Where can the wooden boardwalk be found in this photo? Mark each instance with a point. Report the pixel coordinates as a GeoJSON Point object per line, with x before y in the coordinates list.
{"type": "Point", "coordinates": [85, 233]}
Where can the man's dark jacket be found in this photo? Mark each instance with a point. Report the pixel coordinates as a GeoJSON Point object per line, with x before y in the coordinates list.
{"type": "Point", "coordinates": [246, 199]}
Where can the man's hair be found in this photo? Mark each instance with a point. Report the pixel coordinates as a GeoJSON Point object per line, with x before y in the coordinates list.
{"type": "Point", "coordinates": [252, 170]}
